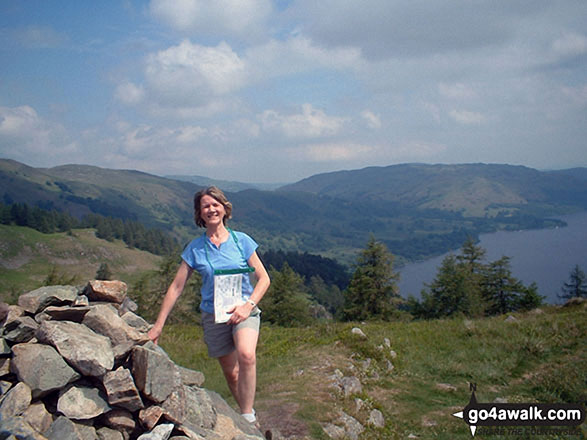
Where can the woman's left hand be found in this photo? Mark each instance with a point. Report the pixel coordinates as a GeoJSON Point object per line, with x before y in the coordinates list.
{"type": "Point", "coordinates": [240, 313]}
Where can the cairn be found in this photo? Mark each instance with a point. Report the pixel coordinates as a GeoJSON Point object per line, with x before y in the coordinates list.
{"type": "Point", "coordinates": [76, 363]}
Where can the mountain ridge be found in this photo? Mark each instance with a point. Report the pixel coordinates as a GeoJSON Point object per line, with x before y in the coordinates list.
{"type": "Point", "coordinates": [417, 210]}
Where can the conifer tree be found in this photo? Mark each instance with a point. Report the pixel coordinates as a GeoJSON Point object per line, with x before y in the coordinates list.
{"type": "Point", "coordinates": [576, 286]}
{"type": "Point", "coordinates": [286, 303]}
{"type": "Point", "coordinates": [373, 286]}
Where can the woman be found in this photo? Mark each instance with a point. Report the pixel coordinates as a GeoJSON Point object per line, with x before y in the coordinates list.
{"type": "Point", "coordinates": [220, 250]}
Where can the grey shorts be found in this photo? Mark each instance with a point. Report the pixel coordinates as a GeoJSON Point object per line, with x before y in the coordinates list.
{"type": "Point", "coordinates": [219, 337]}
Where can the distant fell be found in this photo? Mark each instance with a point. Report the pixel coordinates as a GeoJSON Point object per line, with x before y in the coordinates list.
{"type": "Point", "coordinates": [225, 185]}
{"type": "Point", "coordinates": [473, 189]}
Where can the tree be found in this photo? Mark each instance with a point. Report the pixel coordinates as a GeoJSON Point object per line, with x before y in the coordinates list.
{"type": "Point", "coordinates": [500, 289]}
{"type": "Point", "coordinates": [104, 272]}
{"type": "Point", "coordinates": [576, 286]}
{"type": "Point", "coordinates": [373, 286]}
{"type": "Point", "coordinates": [286, 302]}
{"type": "Point", "coordinates": [454, 290]}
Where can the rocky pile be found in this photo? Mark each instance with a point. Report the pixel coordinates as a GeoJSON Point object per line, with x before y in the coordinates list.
{"type": "Point", "coordinates": [77, 364]}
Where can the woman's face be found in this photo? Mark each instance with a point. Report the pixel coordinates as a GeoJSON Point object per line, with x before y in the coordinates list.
{"type": "Point", "coordinates": [212, 211]}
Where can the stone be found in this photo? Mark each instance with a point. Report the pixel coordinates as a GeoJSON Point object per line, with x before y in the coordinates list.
{"type": "Point", "coordinates": [387, 342]}
{"type": "Point", "coordinates": [161, 432]}
{"type": "Point", "coordinates": [155, 374]}
{"type": "Point", "coordinates": [191, 377]}
{"type": "Point", "coordinates": [105, 433]}
{"type": "Point", "coordinates": [128, 305]}
{"type": "Point", "coordinates": [446, 387]}
{"type": "Point", "coordinates": [5, 369]}
{"type": "Point", "coordinates": [81, 402]}
{"type": "Point", "coordinates": [104, 320]}
{"type": "Point", "coordinates": [89, 353]}
{"type": "Point", "coordinates": [4, 348]}
{"type": "Point", "coordinates": [16, 428]}
{"type": "Point", "coordinates": [376, 419]}
{"type": "Point", "coordinates": [42, 368]}
{"type": "Point", "coordinates": [120, 420]}
{"type": "Point", "coordinates": [121, 389]}
{"type": "Point", "coordinates": [37, 300]}
{"type": "Point", "coordinates": [511, 318]}
{"type": "Point", "coordinates": [136, 321]}
{"type": "Point", "coordinates": [38, 417]}
{"type": "Point", "coordinates": [66, 313]}
{"type": "Point", "coordinates": [81, 301]}
{"type": "Point", "coordinates": [64, 428]}
{"type": "Point", "coordinates": [352, 427]}
{"type": "Point", "coordinates": [150, 416]}
{"type": "Point", "coordinates": [351, 385]}
{"type": "Point", "coordinates": [190, 407]}
{"type": "Point", "coordinates": [20, 329]}
{"type": "Point", "coordinates": [358, 332]}
{"type": "Point", "coordinates": [334, 432]}
{"type": "Point", "coordinates": [16, 401]}
{"type": "Point", "coordinates": [110, 291]}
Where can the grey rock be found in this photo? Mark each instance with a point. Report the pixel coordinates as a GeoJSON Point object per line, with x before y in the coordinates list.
{"type": "Point", "coordinates": [190, 407]}
{"type": "Point", "coordinates": [376, 419]}
{"type": "Point", "coordinates": [333, 431]}
{"type": "Point", "coordinates": [358, 332]}
{"type": "Point", "coordinates": [222, 409]}
{"type": "Point", "coordinates": [89, 353]}
{"type": "Point", "coordinates": [5, 386]}
{"type": "Point", "coordinates": [136, 321]}
{"type": "Point", "coordinates": [66, 313]}
{"type": "Point", "coordinates": [65, 429]}
{"type": "Point", "coordinates": [20, 329]}
{"type": "Point", "coordinates": [161, 432]}
{"type": "Point", "coordinates": [351, 385]}
{"type": "Point", "coordinates": [120, 420]}
{"type": "Point", "coordinates": [16, 401]}
{"type": "Point", "coordinates": [4, 348]}
{"type": "Point", "coordinates": [42, 368]}
{"type": "Point", "coordinates": [156, 375]}
{"type": "Point", "coordinates": [104, 320]}
{"type": "Point", "coordinates": [128, 305]}
{"type": "Point", "coordinates": [121, 389]}
{"type": "Point", "coordinates": [191, 377]}
{"type": "Point", "coordinates": [38, 417]}
{"type": "Point", "coordinates": [110, 291]}
{"type": "Point", "coordinates": [18, 428]}
{"type": "Point", "coordinates": [105, 433]}
{"type": "Point", "coordinates": [150, 416]}
{"type": "Point", "coordinates": [36, 300]}
{"type": "Point", "coordinates": [81, 403]}
{"type": "Point", "coordinates": [5, 366]}
{"type": "Point", "coordinates": [352, 427]}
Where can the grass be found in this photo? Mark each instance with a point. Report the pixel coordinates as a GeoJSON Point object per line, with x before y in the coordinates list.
{"type": "Point", "coordinates": [536, 358]}
{"type": "Point", "coordinates": [27, 256]}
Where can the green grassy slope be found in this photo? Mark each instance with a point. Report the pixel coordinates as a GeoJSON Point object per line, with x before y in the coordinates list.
{"type": "Point", "coordinates": [539, 357]}
{"type": "Point", "coordinates": [28, 256]}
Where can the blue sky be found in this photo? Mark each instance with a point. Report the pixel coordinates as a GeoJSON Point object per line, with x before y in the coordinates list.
{"type": "Point", "coordinates": [275, 91]}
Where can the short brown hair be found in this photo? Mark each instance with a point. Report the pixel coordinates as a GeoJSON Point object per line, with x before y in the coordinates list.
{"type": "Point", "coordinates": [218, 195]}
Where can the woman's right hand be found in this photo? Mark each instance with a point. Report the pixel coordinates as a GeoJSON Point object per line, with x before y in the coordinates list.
{"type": "Point", "coordinates": [154, 334]}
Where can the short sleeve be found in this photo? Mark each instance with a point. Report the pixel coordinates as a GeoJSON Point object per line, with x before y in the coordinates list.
{"type": "Point", "coordinates": [247, 244]}
{"type": "Point", "coordinates": [188, 254]}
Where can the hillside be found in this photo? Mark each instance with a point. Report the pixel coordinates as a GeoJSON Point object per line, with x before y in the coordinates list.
{"type": "Point", "coordinates": [416, 374]}
{"type": "Point", "coordinates": [28, 256]}
{"type": "Point", "coordinates": [418, 211]}
{"type": "Point", "coordinates": [473, 189]}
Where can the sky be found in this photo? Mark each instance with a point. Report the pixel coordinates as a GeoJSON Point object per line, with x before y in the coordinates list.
{"type": "Point", "coordinates": [279, 90]}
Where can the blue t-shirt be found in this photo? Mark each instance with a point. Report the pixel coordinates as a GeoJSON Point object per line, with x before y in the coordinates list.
{"type": "Point", "coordinates": [227, 256]}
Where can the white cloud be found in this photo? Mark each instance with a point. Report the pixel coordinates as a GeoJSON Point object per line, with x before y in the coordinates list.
{"type": "Point", "coordinates": [129, 93]}
{"type": "Point", "coordinates": [310, 123]}
{"type": "Point", "coordinates": [219, 17]}
{"type": "Point", "coordinates": [189, 71]}
{"type": "Point", "coordinates": [467, 117]}
{"type": "Point", "coordinates": [26, 136]}
{"type": "Point", "coordinates": [332, 152]}
{"type": "Point", "coordinates": [456, 91]}
{"type": "Point", "coordinates": [570, 44]}
{"type": "Point", "coordinates": [373, 120]}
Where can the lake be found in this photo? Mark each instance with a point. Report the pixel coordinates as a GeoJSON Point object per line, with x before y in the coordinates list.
{"type": "Point", "coordinates": [544, 256]}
